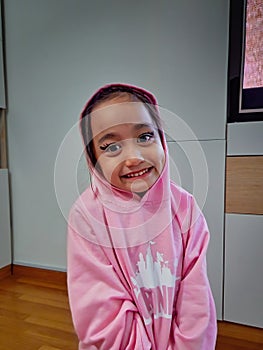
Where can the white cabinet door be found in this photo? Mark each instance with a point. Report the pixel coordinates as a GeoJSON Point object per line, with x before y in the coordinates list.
{"type": "Point", "coordinates": [243, 269]}
{"type": "Point", "coordinates": [245, 139]}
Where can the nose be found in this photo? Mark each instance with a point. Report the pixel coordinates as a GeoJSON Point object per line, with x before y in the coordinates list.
{"type": "Point", "coordinates": [131, 162]}
{"type": "Point", "coordinates": [133, 156]}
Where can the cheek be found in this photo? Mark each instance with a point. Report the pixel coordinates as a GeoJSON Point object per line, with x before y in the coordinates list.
{"type": "Point", "coordinates": [160, 155]}
{"type": "Point", "coordinates": [163, 160]}
{"type": "Point", "coordinates": [109, 168]}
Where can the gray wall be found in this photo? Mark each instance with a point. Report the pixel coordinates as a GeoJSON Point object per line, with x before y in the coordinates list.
{"type": "Point", "coordinates": [58, 53]}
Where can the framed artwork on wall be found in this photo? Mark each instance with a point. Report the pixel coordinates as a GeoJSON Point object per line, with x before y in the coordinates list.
{"type": "Point", "coordinates": [245, 61]}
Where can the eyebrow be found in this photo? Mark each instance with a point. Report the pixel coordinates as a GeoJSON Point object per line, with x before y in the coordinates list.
{"type": "Point", "coordinates": [107, 136]}
{"type": "Point", "coordinates": [112, 135]}
{"type": "Point", "coordinates": [141, 126]}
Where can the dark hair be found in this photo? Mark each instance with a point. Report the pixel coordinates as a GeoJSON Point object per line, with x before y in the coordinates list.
{"type": "Point", "coordinates": [107, 93]}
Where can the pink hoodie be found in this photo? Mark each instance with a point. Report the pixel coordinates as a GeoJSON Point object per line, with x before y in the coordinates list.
{"type": "Point", "coordinates": [137, 275]}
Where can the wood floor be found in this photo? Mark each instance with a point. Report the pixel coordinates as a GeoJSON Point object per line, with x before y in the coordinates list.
{"type": "Point", "coordinates": [34, 312]}
{"type": "Point", "coordinates": [34, 315]}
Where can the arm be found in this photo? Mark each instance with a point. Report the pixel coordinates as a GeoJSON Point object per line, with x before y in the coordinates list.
{"type": "Point", "coordinates": [194, 325]}
{"type": "Point", "coordinates": [104, 315]}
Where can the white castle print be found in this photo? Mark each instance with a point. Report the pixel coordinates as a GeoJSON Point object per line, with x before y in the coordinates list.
{"type": "Point", "coordinates": [154, 286]}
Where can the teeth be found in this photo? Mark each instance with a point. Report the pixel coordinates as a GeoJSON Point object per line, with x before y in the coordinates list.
{"type": "Point", "coordinates": [140, 173]}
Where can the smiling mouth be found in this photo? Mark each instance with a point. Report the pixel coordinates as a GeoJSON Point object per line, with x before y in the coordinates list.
{"type": "Point", "coordinates": [138, 173]}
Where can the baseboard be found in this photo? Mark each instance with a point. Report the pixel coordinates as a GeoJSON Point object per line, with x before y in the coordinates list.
{"type": "Point", "coordinates": [39, 266]}
{"type": "Point", "coordinates": [39, 273]}
{"type": "Point", "coordinates": [5, 271]}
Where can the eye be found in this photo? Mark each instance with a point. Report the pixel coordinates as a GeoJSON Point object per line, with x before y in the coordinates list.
{"type": "Point", "coordinates": [111, 147]}
{"type": "Point", "coordinates": [145, 137]}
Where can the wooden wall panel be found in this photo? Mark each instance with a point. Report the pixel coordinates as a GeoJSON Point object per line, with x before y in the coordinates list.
{"type": "Point", "coordinates": [244, 184]}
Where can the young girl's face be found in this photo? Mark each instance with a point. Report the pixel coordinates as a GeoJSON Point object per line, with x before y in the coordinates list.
{"type": "Point", "coordinates": [127, 145]}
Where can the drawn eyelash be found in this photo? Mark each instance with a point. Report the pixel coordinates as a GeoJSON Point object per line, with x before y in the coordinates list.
{"type": "Point", "coordinates": [150, 135]}
{"type": "Point", "coordinates": [111, 147]}
{"type": "Point", "coordinates": [103, 147]}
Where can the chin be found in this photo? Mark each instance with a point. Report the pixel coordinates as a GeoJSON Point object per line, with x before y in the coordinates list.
{"type": "Point", "coordinates": [139, 189]}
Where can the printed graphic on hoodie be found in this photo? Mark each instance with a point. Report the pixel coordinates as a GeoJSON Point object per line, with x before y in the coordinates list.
{"type": "Point", "coordinates": [154, 286]}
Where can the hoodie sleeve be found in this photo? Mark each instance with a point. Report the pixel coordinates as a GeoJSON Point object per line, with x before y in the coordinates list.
{"type": "Point", "coordinates": [194, 326]}
{"type": "Point", "coordinates": [104, 314]}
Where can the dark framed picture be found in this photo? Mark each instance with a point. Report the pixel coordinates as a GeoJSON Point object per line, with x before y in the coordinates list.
{"type": "Point", "coordinates": [245, 62]}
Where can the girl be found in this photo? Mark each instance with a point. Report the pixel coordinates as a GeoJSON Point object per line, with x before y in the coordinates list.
{"type": "Point", "coordinates": [137, 242]}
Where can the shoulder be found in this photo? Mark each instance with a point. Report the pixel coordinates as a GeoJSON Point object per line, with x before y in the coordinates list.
{"type": "Point", "coordinates": [180, 195]}
{"type": "Point", "coordinates": [185, 207]}
{"type": "Point", "coordinates": [85, 202]}
{"type": "Point", "coordinates": [82, 212]}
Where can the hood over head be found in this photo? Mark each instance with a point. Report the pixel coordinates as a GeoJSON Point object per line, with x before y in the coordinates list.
{"type": "Point", "coordinates": [103, 94]}
{"type": "Point", "coordinates": [99, 184]}
{"type": "Point", "coordinates": [118, 214]}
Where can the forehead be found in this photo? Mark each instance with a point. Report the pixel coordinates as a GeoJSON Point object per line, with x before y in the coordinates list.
{"type": "Point", "coordinates": [111, 114]}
